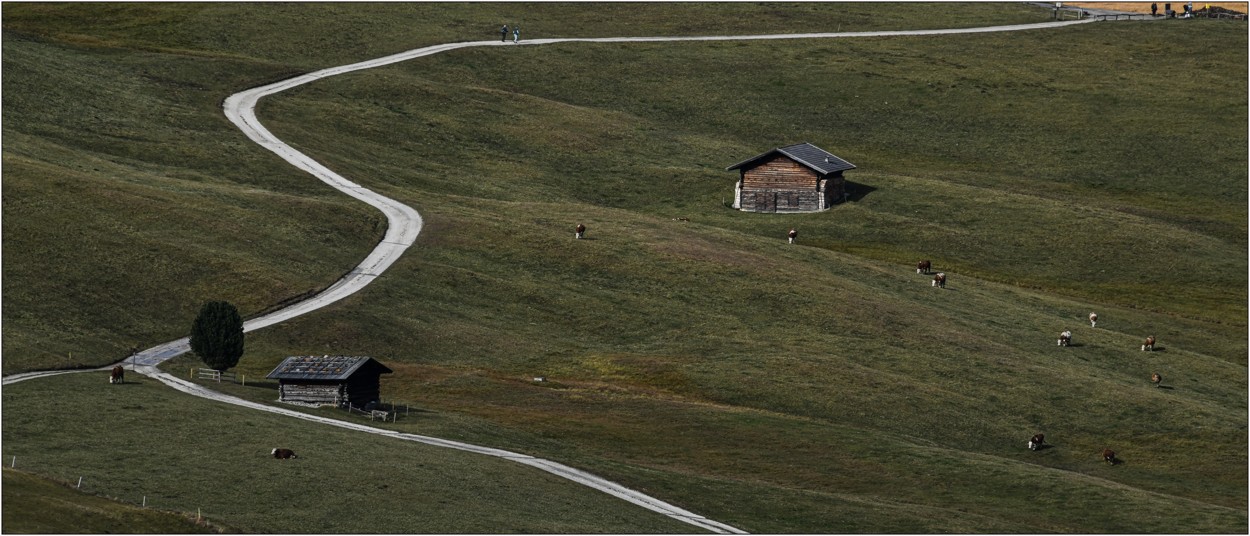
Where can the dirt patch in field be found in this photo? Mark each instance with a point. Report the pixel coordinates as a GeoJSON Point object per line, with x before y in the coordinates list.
{"type": "Point", "coordinates": [1144, 7]}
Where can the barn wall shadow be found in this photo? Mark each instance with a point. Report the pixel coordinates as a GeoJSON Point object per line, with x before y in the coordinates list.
{"type": "Point", "coordinates": [857, 191]}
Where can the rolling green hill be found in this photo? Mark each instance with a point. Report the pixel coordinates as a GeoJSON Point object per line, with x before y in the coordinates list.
{"type": "Point", "coordinates": [821, 387]}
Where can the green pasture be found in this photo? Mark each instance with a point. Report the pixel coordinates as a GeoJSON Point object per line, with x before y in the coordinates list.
{"type": "Point", "coordinates": [822, 387]}
{"type": "Point", "coordinates": [183, 453]}
{"type": "Point", "coordinates": [64, 510]}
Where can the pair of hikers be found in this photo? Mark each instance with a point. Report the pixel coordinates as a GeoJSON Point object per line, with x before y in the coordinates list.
{"type": "Point", "coordinates": [516, 34]}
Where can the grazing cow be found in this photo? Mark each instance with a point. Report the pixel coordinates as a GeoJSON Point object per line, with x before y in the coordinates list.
{"type": "Point", "coordinates": [924, 267]}
{"type": "Point", "coordinates": [939, 280]}
{"type": "Point", "coordinates": [1149, 344]}
{"type": "Point", "coordinates": [283, 454]}
{"type": "Point", "coordinates": [793, 234]}
{"type": "Point", "coordinates": [1156, 379]}
{"type": "Point", "coordinates": [1065, 338]}
{"type": "Point", "coordinates": [1108, 455]}
{"type": "Point", "coordinates": [1093, 320]}
{"type": "Point", "coordinates": [1037, 441]}
{"type": "Point", "coordinates": [117, 375]}
{"type": "Point", "coordinates": [581, 231]}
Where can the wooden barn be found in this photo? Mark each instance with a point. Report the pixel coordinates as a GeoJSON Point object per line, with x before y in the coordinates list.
{"type": "Point", "coordinates": [794, 178]}
{"type": "Point", "coordinates": [329, 380]}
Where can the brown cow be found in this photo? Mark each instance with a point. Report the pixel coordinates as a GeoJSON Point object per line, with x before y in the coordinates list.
{"type": "Point", "coordinates": [1037, 441]}
{"type": "Point", "coordinates": [924, 267]}
{"type": "Point", "coordinates": [581, 231]}
{"type": "Point", "coordinates": [1108, 455]}
{"type": "Point", "coordinates": [1156, 379]}
{"type": "Point", "coordinates": [1149, 344]}
{"type": "Point", "coordinates": [1093, 320]}
{"type": "Point", "coordinates": [117, 375]}
{"type": "Point", "coordinates": [283, 454]}
{"type": "Point", "coordinates": [939, 280]}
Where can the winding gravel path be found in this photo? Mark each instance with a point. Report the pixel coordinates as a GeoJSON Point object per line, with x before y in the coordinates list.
{"type": "Point", "coordinates": [403, 226]}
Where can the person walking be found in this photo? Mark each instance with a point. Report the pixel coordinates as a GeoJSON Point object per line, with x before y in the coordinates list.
{"type": "Point", "coordinates": [1154, 9]}
{"type": "Point", "coordinates": [516, 34]}
{"type": "Point", "coordinates": [793, 234]}
{"type": "Point", "coordinates": [503, 34]}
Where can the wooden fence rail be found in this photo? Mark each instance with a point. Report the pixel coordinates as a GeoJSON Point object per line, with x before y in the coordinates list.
{"type": "Point", "coordinates": [217, 375]}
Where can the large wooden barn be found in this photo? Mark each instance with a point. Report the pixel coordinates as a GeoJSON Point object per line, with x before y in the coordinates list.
{"type": "Point", "coordinates": [794, 178]}
{"type": "Point", "coordinates": [329, 380]}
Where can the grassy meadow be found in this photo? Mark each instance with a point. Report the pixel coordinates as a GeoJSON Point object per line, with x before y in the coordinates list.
{"type": "Point", "coordinates": [66, 510]}
{"type": "Point", "coordinates": [817, 388]}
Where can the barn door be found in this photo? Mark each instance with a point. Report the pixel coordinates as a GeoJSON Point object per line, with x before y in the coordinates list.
{"type": "Point", "coordinates": [765, 201]}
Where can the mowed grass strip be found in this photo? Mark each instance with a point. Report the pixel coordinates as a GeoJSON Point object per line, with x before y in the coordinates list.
{"type": "Point", "coordinates": [188, 454]}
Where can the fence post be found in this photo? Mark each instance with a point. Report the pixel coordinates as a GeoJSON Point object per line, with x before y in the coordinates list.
{"type": "Point", "coordinates": [14, 463]}
{"type": "Point", "coordinates": [79, 483]}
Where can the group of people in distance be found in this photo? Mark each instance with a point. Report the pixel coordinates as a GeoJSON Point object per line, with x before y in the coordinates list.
{"type": "Point", "coordinates": [516, 33]}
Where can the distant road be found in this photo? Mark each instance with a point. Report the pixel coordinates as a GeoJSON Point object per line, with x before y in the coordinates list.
{"type": "Point", "coordinates": [403, 226]}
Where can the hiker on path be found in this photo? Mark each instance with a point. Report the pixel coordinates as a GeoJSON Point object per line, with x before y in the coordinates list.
{"type": "Point", "coordinates": [503, 34]}
{"type": "Point", "coordinates": [516, 34]}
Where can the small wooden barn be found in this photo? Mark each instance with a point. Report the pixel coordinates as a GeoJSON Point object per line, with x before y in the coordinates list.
{"type": "Point", "coordinates": [794, 178]}
{"type": "Point", "coordinates": [329, 380]}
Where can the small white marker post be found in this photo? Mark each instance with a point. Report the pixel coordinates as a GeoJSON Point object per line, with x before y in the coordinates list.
{"type": "Point", "coordinates": [14, 462]}
{"type": "Point", "coordinates": [80, 482]}
{"type": "Point", "coordinates": [145, 501]}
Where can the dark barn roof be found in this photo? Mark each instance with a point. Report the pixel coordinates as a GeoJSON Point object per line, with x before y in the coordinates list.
{"type": "Point", "coordinates": [814, 157]}
{"type": "Point", "coordinates": [329, 367]}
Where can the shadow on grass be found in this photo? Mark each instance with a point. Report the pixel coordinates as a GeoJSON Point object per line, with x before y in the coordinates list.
{"type": "Point", "coordinates": [856, 191]}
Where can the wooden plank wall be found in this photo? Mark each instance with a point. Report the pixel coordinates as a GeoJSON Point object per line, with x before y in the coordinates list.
{"type": "Point", "coordinates": [363, 389]}
{"type": "Point", "coordinates": [781, 185]}
{"type": "Point", "coordinates": [780, 174]}
{"type": "Point", "coordinates": [310, 393]}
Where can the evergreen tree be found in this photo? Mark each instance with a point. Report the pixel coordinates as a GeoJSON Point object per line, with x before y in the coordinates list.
{"type": "Point", "coordinates": [217, 335]}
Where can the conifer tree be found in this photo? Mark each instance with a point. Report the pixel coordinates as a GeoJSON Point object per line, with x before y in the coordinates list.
{"type": "Point", "coordinates": [217, 335]}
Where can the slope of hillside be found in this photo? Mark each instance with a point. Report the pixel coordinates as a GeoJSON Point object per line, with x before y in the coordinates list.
{"type": "Point", "coordinates": [822, 387]}
{"type": "Point", "coordinates": [34, 505]}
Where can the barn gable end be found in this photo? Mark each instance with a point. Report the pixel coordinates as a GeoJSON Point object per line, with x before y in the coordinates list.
{"type": "Point", "coordinates": [329, 380]}
{"type": "Point", "coordinates": [795, 178]}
